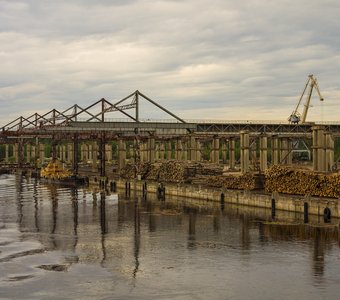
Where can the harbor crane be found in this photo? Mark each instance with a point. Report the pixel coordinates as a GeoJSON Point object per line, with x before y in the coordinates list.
{"type": "Point", "coordinates": [296, 117]}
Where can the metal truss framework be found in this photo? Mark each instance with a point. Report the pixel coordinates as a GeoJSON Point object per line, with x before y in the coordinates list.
{"type": "Point", "coordinates": [94, 119]}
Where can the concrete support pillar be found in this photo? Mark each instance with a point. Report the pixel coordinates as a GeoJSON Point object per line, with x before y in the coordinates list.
{"type": "Point", "coordinates": [34, 153]}
{"type": "Point", "coordinates": [161, 151]}
{"type": "Point", "coordinates": [90, 152]}
{"type": "Point", "coordinates": [275, 150]}
{"type": "Point", "coordinates": [6, 153]}
{"type": "Point", "coordinates": [42, 153]}
{"type": "Point", "coordinates": [70, 153]}
{"type": "Point", "coordinates": [286, 156]}
{"type": "Point", "coordinates": [28, 153]}
{"type": "Point", "coordinates": [319, 149]}
{"type": "Point", "coordinates": [244, 148]}
{"type": "Point", "coordinates": [192, 148]}
{"type": "Point", "coordinates": [152, 149]}
{"type": "Point", "coordinates": [157, 152]}
{"type": "Point", "coordinates": [263, 153]}
{"type": "Point", "coordinates": [215, 153]}
{"type": "Point", "coordinates": [64, 151]}
{"type": "Point", "coordinates": [179, 148]}
{"type": "Point", "coordinates": [224, 152]}
{"type": "Point", "coordinates": [84, 157]}
{"type": "Point", "coordinates": [121, 154]}
{"type": "Point", "coordinates": [198, 151]}
{"type": "Point", "coordinates": [168, 150]}
{"type": "Point", "coordinates": [232, 153]}
{"type": "Point", "coordinates": [185, 150]}
{"type": "Point", "coordinates": [94, 150]}
{"type": "Point", "coordinates": [108, 153]}
{"type": "Point", "coordinates": [16, 152]}
{"type": "Point", "coordinates": [329, 151]}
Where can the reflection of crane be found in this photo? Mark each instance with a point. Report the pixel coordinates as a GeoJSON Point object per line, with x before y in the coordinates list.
{"type": "Point", "coordinates": [296, 117]}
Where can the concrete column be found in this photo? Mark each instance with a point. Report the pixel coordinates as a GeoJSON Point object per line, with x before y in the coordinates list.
{"type": "Point", "coordinates": [319, 149]}
{"type": "Point", "coordinates": [232, 153]}
{"type": "Point", "coordinates": [198, 151]}
{"type": "Point", "coordinates": [157, 152]}
{"type": "Point", "coordinates": [168, 150]}
{"type": "Point", "coordinates": [224, 152]}
{"type": "Point", "coordinates": [161, 151]}
{"type": "Point", "coordinates": [42, 153]}
{"type": "Point", "coordinates": [285, 151]}
{"type": "Point", "coordinates": [152, 149]}
{"type": "Point", "coordinates": [94, 154]}
{"type": "Point", "coordinates": [179, 149]}
{"type": "Point", "coordinates": [192, 148]}
{"type": "Point", "coordinates": [263, 153]}
{"type": "Point", "coordinates": [329, 151]}
{"type": "Point", "coordinates": [215, 153]}
{"type": "Point", "coordinates": [121, 154]}
{"type": "Point", "coordinates": [28, 153]}
{"type": "Point", "coordinates": [244, 151]}
{"type": "Point", "coordinates": [275, 150]}
{"type": "Point", "coordinates": [108, 152]}
{"type": "Point", "coordinates": [34, 153]}
{"type": "Point", "coordinates": [185, 151]}
{"type": "Point", "coordinates": [70, 153]}
{"type": "Point", "coordinates": [64, 147]}
{"type": "Point", "coordinates": [16, 152]}
{"type": "Point", "coordinates": [6, 153]}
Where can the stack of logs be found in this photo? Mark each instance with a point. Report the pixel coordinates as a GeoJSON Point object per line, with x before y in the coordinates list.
{"type": "Point", "coordinates": [207, 174]}
{"type": "Point", "coordinates": [289, 180]}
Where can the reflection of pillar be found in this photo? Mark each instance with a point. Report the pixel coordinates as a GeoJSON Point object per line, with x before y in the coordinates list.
{"type": "Point", "coordinates": [121, 154]}
{"type": "Point", "coordinates": [6, 153]}
{"type": "Point", "coordinates": [232, 153]}
{"type": "Point", "coordinates": [275, 150]}
{"type": "Point", "coordinates": [263, 153]}
{"type": "Point", "coordinates": [244, 147]}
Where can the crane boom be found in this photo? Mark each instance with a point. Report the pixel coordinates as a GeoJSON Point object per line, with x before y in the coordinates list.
{"type": "Point", "coordinates": [296, 117]}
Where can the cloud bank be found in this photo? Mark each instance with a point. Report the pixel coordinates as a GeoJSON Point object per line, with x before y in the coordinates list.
{"type": "Point", "coordinates": [201, 59]}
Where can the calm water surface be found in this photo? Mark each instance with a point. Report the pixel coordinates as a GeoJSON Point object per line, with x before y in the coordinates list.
{"type": "Point", "coordinates": [66, 243]}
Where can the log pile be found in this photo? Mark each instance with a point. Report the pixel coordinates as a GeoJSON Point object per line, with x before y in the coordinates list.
{"type": "Point", "coordinates": [289, 180]}
{"type": "Point", "coordinates": [246, 181]}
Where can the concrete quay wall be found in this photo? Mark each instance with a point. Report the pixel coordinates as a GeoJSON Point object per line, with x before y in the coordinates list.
{"type": "Point", "coordinates": [284, 202]}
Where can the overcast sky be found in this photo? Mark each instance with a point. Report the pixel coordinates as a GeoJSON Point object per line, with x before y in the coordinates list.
{"type": "Point", "coordinates": [217, 59]}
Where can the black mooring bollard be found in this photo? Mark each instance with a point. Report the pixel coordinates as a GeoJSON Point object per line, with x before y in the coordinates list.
{"type": "Point", "coordinates": [222, 201]}
{"type": "Point", "coordinates": [273, 208]}
{"type": "Point", "coordinates": [305, 212]}
{"type": "Point", "coordinates": [327, 215]}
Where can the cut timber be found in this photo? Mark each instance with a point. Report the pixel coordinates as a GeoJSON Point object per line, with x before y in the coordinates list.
{"type": "Point", "coordinates": [289, 180]}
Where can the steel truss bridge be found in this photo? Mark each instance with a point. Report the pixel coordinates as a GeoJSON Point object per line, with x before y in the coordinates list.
{"type": "Point", "coordinates": [95, 122]}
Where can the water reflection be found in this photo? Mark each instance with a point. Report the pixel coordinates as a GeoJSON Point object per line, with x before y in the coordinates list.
{"type": "Point", "coordinates": [136, 236]}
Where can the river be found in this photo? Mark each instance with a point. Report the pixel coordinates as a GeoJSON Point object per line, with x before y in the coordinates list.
{"type": "Point", "coordinates": [73, 243]}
